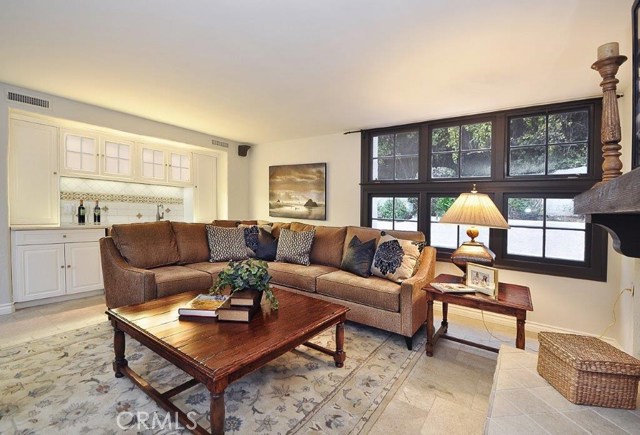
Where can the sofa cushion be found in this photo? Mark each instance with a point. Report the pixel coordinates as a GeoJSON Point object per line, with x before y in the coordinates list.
{"type": "Point", "coordinates": [193, 246]}
{"type": "Point", "coordinates": [212, 269]}
{"type": "Point", "coordinates": [226, 223]}
{"type": "Point", "coordinates": [297, 276]}
{"type": "Point", "coordinates": [365, 234]}
{"type": "Point", "coordinates": [359, 257]}
{"type": "Point", "coordinates": [294, 247]}
{"type": "Point", "coordinates": [171, 280]}
{"type": "Point", "coordinates": [327, 245]}
{"type": "Point", "coordinates": [395, 259]}
{"type": "Point", "coordinates": [146, 245]}
{"type": "Point", "coordinates": [373, 291]}
{"type": "Point", "coordinates": [226, 244]}
{"type": "Point", "coordinates": [279, 226]}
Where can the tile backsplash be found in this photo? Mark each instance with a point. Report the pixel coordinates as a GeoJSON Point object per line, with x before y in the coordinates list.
{"type": "Point", "coordinates": [120, 202]}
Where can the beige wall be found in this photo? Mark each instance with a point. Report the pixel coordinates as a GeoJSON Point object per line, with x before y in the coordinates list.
{"type": "Point", "coordinates": [232, 196]}
{"type": "Point", "coordinates": [342, 155]}
{"type": "Point", "coordinates": [559, 303]}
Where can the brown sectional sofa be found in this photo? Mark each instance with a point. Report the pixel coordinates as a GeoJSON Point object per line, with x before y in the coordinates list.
{"type": "Point", "coordinates": [145, 261]}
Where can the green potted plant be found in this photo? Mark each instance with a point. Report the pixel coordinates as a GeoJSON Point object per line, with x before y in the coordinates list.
{"type": "Point", "coordinates": [246, 274]}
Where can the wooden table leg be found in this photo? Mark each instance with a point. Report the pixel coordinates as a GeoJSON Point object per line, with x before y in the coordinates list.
{"type": "Point", "coordinates": [217, 413]}
{"type": "Point", "coordinates": [339, 356]}
{"type": "Point", "coordinates": [118, 347]}
{"type": "Point", "coordinates": [520, 330]}
{"type": "Point", "coordinates": [430, 328]}
{"type": "Point", "coordinates": [445, 313]}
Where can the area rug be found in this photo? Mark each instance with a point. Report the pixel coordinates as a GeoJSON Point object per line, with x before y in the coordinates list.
{"type": "Point", "coordinates": [65, 383]}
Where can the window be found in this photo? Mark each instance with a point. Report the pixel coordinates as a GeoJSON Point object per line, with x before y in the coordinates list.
{"type": "Point", "coordinates": [462, 151]}
{"type": "Point", "coordinates": [395, 213]}
{"type": "Point", "coordinates": [531, 161]}
{"type": "Point", "coordinates": [545, 228]}
{"type": "Point", "coordinates": [395, 156]}
{"type": "Point", "coordinates": [549, 144]}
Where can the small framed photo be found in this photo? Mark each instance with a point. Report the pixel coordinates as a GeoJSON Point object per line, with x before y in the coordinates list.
{"type": "Point", "coordinates": [483, 279]}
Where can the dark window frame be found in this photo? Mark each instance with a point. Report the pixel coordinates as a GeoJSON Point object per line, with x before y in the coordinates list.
{"type": "Point", "coordinates": [498, 186]}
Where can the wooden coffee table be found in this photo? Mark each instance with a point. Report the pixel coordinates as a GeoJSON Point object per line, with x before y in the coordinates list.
{"type": "Point", "coordinates": [217, 353]}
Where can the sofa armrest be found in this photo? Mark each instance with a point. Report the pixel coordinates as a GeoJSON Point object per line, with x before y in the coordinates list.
{"type": "Point", "coordinates": [413, 300]}
{"type": "Point", "coordinates": [123, 283]}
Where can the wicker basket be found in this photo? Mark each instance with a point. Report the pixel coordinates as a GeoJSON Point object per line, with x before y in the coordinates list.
{"type": "Point", "coordinates": [588, 371]}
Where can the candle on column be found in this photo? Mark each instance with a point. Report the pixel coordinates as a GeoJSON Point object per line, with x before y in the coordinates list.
{"type": "Point", "coordinates": [609, 49]}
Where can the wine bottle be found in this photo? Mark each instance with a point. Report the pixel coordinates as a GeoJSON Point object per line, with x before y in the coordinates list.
{"type": "Point", "coordinates": [96, 214]}
{"type": "Point", "coordinates": [81, 213]}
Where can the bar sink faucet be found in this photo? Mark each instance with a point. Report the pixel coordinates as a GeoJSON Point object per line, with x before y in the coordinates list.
{"type": "Point", "coordinates": [159, 212]}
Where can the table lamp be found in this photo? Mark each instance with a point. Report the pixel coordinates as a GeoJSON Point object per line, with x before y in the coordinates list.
{"type": "Point", "coordinates": [474, 209]}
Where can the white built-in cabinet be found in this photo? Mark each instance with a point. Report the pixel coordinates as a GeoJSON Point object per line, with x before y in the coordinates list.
{"type": "Point", "coordinates": [116, 158]}
{"type": "Point", "coordinates": [49, 263]}
{"type": "Point", "coordinates": [204, 187]}
{"type": "Point", "coordinates": [79, 153]}
{"type": "Point", "coordinates": [161, 164]}
{"type": "Point", "coordinates": [33, 173]}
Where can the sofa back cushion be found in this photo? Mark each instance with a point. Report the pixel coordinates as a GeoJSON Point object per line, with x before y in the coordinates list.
{"type": "Point", "coordinates": [226, 223]}
{"type": "Point", "coordinates": [146, 245]}
{"type": "Point", "coordinates": [192, 242]}
{"type": "Point", "coordinates": [277, 227]}
{"type": "Point", "coordinates": [365, 234]}
{"type": "Point", "coordinates": [328, 244]}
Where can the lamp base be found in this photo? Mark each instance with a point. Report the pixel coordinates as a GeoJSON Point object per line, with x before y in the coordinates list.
{"type": "Point", "coordinates": [472, 252]}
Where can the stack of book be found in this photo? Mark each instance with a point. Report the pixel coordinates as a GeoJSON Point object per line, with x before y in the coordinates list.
{"type": "Point", "coordinates": [203, 306]}
{"type": "Point", "coordinates": [241, 306]}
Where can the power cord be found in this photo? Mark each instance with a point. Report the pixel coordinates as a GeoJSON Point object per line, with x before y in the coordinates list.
{"type": "Point", "coordinates": [489, 332]}
{"type": "Point", "coordinates": [614, 310]}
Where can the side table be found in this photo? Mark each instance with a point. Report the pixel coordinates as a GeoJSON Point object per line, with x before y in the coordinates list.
{"type": "Point", "coordinates": [512, 300]}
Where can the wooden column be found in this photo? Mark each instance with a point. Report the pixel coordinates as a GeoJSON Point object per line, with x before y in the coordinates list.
{"type": "Point", "coordinates": [607, 65]}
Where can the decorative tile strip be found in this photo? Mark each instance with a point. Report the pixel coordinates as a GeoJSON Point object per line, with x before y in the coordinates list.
{"type": "Point", "coordinates": [107, 197]}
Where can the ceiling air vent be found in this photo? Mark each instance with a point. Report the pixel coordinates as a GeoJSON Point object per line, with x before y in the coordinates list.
{"type": "Point", "coordinates": [219, 143]}
{"type": "Point", "coordinates": [25, 99]}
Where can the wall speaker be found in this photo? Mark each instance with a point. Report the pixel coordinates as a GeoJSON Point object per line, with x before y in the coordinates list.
{"type": "Point", "coordinates": [243, 150]}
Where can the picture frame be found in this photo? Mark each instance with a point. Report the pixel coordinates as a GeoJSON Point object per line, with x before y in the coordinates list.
{"type": "Point", "coordinates": [298, 191]}
{"type": "Point", "coordinates": [635, 66]}
{"type": "Point", "coordinates": [482, 279]}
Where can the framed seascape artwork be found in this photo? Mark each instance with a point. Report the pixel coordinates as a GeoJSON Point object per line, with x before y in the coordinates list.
{"type": "Point", "coordinates": [482, 279]}
{"type": "Point", "coordinates": [298, 191]}
{"type": "Point", "coordinates": [635, 60]}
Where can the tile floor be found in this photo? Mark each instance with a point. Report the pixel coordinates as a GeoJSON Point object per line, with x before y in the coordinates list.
{"type": "Point", "coordinates": [446, 394]}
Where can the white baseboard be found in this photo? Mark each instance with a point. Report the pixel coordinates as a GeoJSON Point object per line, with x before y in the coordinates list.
{"type": "Point", "coordinates": [6, 309]}
{"type": "Point", "coordinates": [502, 320]}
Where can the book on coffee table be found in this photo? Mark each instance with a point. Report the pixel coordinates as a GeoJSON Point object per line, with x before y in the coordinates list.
{"type": "Point", "coordinates": [246, 298]}
{"type": "Point", "coordinates": [231, 313]}
{"type": "Point", "coordinates": [203, 306]}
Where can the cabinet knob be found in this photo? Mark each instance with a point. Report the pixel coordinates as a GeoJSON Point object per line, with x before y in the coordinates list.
{"type": "Point", "coordinates": [64, 236]}
{"type": "Point", "coordinates": [55, 173]}
{"type": "Point", "coordinates": [68, 266]}
{"type": "Point", "coordinates": [61, 267]}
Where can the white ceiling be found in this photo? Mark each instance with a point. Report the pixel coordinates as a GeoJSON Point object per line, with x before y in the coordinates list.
{"type": "Point", "coordinates": [260, 71]}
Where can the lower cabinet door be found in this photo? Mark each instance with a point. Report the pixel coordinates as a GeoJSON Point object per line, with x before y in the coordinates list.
{"type": "Point", "coordinates": [84, 270]}
{"type": "Point", "coordinates": [39, 272]}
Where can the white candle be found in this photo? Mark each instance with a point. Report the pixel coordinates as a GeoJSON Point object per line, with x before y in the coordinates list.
{"type": "Point", "coordinates": [609, 49]}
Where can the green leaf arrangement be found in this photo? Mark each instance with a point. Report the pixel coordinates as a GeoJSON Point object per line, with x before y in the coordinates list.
{"type": "Point", "coordinates": [246, 274]}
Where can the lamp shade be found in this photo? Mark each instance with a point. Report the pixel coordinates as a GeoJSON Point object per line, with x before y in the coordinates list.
{"type": "Point", "coordinates": [474, 209]}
